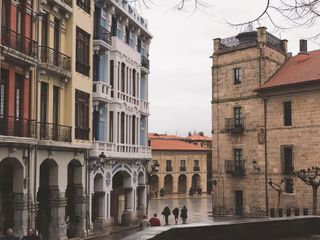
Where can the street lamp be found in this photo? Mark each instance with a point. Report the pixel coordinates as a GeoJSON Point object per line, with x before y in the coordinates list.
{"type": "Point", "coordinates": [98, 163]}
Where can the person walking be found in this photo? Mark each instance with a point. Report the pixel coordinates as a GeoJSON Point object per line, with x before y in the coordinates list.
{"type": "Point", "coordinates": [166, 213]}
{"type": "Point", "coordinates": [42, 225]}
{"type": "Point", "coordinates": [154, 221]}
{"type": "Point", "coordinates": [184, 214]}
{"type": "Point", "coordinates": [31, 235]}
{"type": "Point", "coordinates": [10, 235]}
{"type": "Point", "coordinates": [176, 214]}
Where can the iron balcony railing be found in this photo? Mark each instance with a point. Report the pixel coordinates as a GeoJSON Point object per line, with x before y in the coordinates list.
{"type": "Point", "coordinates": [55, 58]}
{"type": "Point", "coordinates": [145, 62]}
{"type": "Point", "coordinates": [18, 42]}
{"type": "Point", "coordinates": [55, 132]}
{"type": "Point", "coordinates": [183, 169]}
{"type": "Point", "coordinates": [196, 168]}
{"type": "Point", "coordinates": [236, 168]}
{"type": "Point", "coordinates": [18, 127]}
{"type": "Point", "coordinates": [82, 133]}
{"type": "Point", "coordinates": [100, 33]}
{"type": "Point", "coordinates": [169, 168]}
{"type": "Point", "coordinates": [234, 125]}
{"type": "Point", "coordinates": [68, 2]}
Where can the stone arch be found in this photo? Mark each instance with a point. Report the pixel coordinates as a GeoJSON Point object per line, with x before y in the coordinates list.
{"type": "Point", "coordinates": [168, 184]}
{"type": "Point", "coordinates": [121, 196]}
{"type": "Point", "coordinates": [196, 182]}
{"type": "Point", "coordinates": [98, 201]}
{"type": "Point", "coordinates": [141, 178]}
{"type": "Point", "coordinates": [11, 190]}
{"type": "Point", "coordinates": [182, 184]}
{"type": "Point", "coordinates": [74, 191]}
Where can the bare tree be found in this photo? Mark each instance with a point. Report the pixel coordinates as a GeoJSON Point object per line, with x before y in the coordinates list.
{"type": "Point", "coordinates": [310, 177]}
{"type": "Point", "coordinates": [288, 14]}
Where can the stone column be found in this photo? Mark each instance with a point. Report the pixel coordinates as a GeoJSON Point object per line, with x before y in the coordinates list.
{"type": "Point", "coordinates": [57, 204]}
{"type": "Point", "coordinates": [80, 201]}
{"type": "Point", "coordinates": [127, 213]}
{"type": "Point", "coordinates": [141, 201]}
{"type": "Point", "coordinates": [175, 183]}
{"type": "Point", "coordinates": [99, 222]}
{"type": "Point", "coordinates": [20, 214]}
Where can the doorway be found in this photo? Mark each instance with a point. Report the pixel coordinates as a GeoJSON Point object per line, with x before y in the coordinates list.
{"type": "Point", "coordinates": [239, 203]}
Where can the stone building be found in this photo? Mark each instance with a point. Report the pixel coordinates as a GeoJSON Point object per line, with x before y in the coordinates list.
{"type": "Point", "coordinates": [264, 122]}
{"type": "Point", "coordinates": [182, 165]}
{"type": "Point", "coordinates": [241, 64]}
{"type": "Point", "coordinates": [120, 114]}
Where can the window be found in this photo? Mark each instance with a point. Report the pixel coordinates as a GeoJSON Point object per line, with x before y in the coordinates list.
{"type": "Point", "coordinates": [43, 102]}
{"type": "Point", "coordinates": [127, 35]}
{"type": "Point", "coordinates": [287, 160]}
{"type": "Point", "coordinates": [4, 92]}
{"type": "Point", "coordinates": [114, 26]}
{"type": "Point", "coordinates": [196, 163]}
{"type": "Point", "coordinates": [19, 96]}
{"type": "Point", "coordinates": [82, 52]}
{"type": "Point", "coordinates": [84, 4]}
{"type": "Point", "coordinates": [5, 13]}
{"type": "Point", "coordinates": [55, 109]}
{"type": "Point", "coordinates": [237, 112]}
{"type": "Point", "coordinates": [287, 114]}
{"type": "Point", "coordinates": [82, 101]}
{"type": "Point", "coordinates": [96, 67]}
{"type": "Point", "coordinates": [182, 163]}
{"type": "Point", "coordinates": [238, 159]}
{"type": "Point", "coordinates": [44, 29]}
{"type": "Point", "coordinates": [237, 75]}
{"type": "Point", "coordinates": [168, 165]}
{"type": "Point", "coordinates": [111, 126]}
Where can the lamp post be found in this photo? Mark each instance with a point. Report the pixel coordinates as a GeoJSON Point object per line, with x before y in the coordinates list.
{"type": "Point", "coordinates": [154, 169]}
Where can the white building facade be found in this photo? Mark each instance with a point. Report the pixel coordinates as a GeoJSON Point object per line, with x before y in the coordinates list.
{"type": "Point", "coordinates": [120, 115]}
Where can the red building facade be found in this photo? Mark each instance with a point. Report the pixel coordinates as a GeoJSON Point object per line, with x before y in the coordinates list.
{"type": "Point", "coordinates": [18, 59]}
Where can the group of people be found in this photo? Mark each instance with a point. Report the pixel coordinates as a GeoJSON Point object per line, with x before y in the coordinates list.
{"type": "Point", "coordinates": [155, 221]}
{"type": "Point", "coordinates": [30, 236]}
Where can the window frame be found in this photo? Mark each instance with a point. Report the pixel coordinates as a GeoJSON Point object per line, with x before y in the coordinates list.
{"type": "Point", "coordinates": [287, 114]}
{"type": "Point", "coordinates": [82, 52]}
{"type": "Point", "coordinates": [85, 5]}
{"type": "Point", "coordinates": [237, 76]}
{"type": "Point", "coordinates": [82, 107]}
{"type": "Point", "coordinates": [286, 169]}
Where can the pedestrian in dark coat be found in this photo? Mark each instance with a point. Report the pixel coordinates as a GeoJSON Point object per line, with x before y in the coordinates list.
{"type": "Point", "coordinates": [184, 214]}
{"type": "Point", "coordinates": [166, 213]}
{"type": "Point", "coordinates": [42, 225]}
{"type": "Point", "coordinates": [176, 214]}
{"type": "Point", "coordinates": [10, 235]}
{"type": "Point", "coordinates": [31, 235]}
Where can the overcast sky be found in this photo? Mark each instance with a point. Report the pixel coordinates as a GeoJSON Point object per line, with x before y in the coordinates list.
{"type": "Point", "coordinates": [180, 79]}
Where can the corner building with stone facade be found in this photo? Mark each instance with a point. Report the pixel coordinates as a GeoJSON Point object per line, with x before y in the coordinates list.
{"type": "Point", "coordinates": [264, 112]}
{"type": "Point", "coordinates": [240, 65]}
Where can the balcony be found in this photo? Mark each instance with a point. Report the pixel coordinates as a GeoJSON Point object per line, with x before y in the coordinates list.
{"type": "Point", "coordinates": [196, 168]}
{"type": "Point", "coordinates": [64, 5]}
{"type": "Point", "coordinates": [54, 132]}
{"type": "Point", "coordinates": [235, 168]}
{"type": "Point", "coordinates": [128, 98]}
{"type": "Point", "coordinates": [101, 91]}
{"type": "Point", "coordinates": [183, 169]}
{"type": "Point", "coordinates": [234, 125]}
{"type": "Point", "coordinates": [144, 107]}
{"type": "Point", "coordinates": [121, 150]}
{"type": "Point", "coordinates": [145, 63]}
{"type": "Point", "coordinates": [55, 61]}
{"type": "Point", "coordinates": [18, 46]}
{"type": "Point", "coordinates": [102, 38]}
{"type": "Point", "coordinates": [169, 168]}
{"type": "Point", "coordinates": [17, 127]}
{"type": "Point", "coordinates": [82, 133]}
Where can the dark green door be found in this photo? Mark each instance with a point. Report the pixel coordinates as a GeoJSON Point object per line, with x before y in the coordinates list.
{"type": "Point", "coordinates": [239, 203]}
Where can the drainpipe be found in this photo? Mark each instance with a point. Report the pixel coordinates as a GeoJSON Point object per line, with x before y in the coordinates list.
{"type": "Point", "coordinates": [265, 137]}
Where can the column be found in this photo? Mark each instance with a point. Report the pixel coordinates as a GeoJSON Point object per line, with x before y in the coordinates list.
{"type": "Point", "coordinates": [138, 128]}
{"type": "Point", "coordinates": [129, 203]}
{"type": "Point", "coordinates": [80, 201]}
{"type": "Point", "coordinates": [20, 213]}
{"type": "Point", "coordinates": [57, 204]}
{"type": "Point", "coordinates": [175, 183]}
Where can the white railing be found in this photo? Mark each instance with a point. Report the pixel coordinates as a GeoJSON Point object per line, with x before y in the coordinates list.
{"type": "Point", "coordinates": [144, 106]}
{"type": "Point", "coordinates": [128, 98]}
{"type": "Point", "coordinates": [114, 150]}
{"type": "Point", "coordinates": [102, 91]}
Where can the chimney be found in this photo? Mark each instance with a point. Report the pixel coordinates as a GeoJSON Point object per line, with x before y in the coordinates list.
{"type": "Point", "coordinates": [303, 46]}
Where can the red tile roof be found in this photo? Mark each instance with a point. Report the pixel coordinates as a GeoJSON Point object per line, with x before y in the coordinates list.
{"type": "Point", "coordinates": [199, 138]}
{"type": "Point", "coordinates": [171, 144]}
{"type": "Point", "coordinates": [302, 68]}
{"type": "Point", "coordinates": [163, 136]}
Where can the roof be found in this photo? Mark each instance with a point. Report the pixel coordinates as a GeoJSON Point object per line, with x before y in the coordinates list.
{"type": "Point", "coordinates": [164, 136]}
{"type": "Point", "coordinates": [302, 68]}
{"type": "Point", "coordinates": [198, 138]}
{"type": "Point", "coordinates": [172, 144]}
